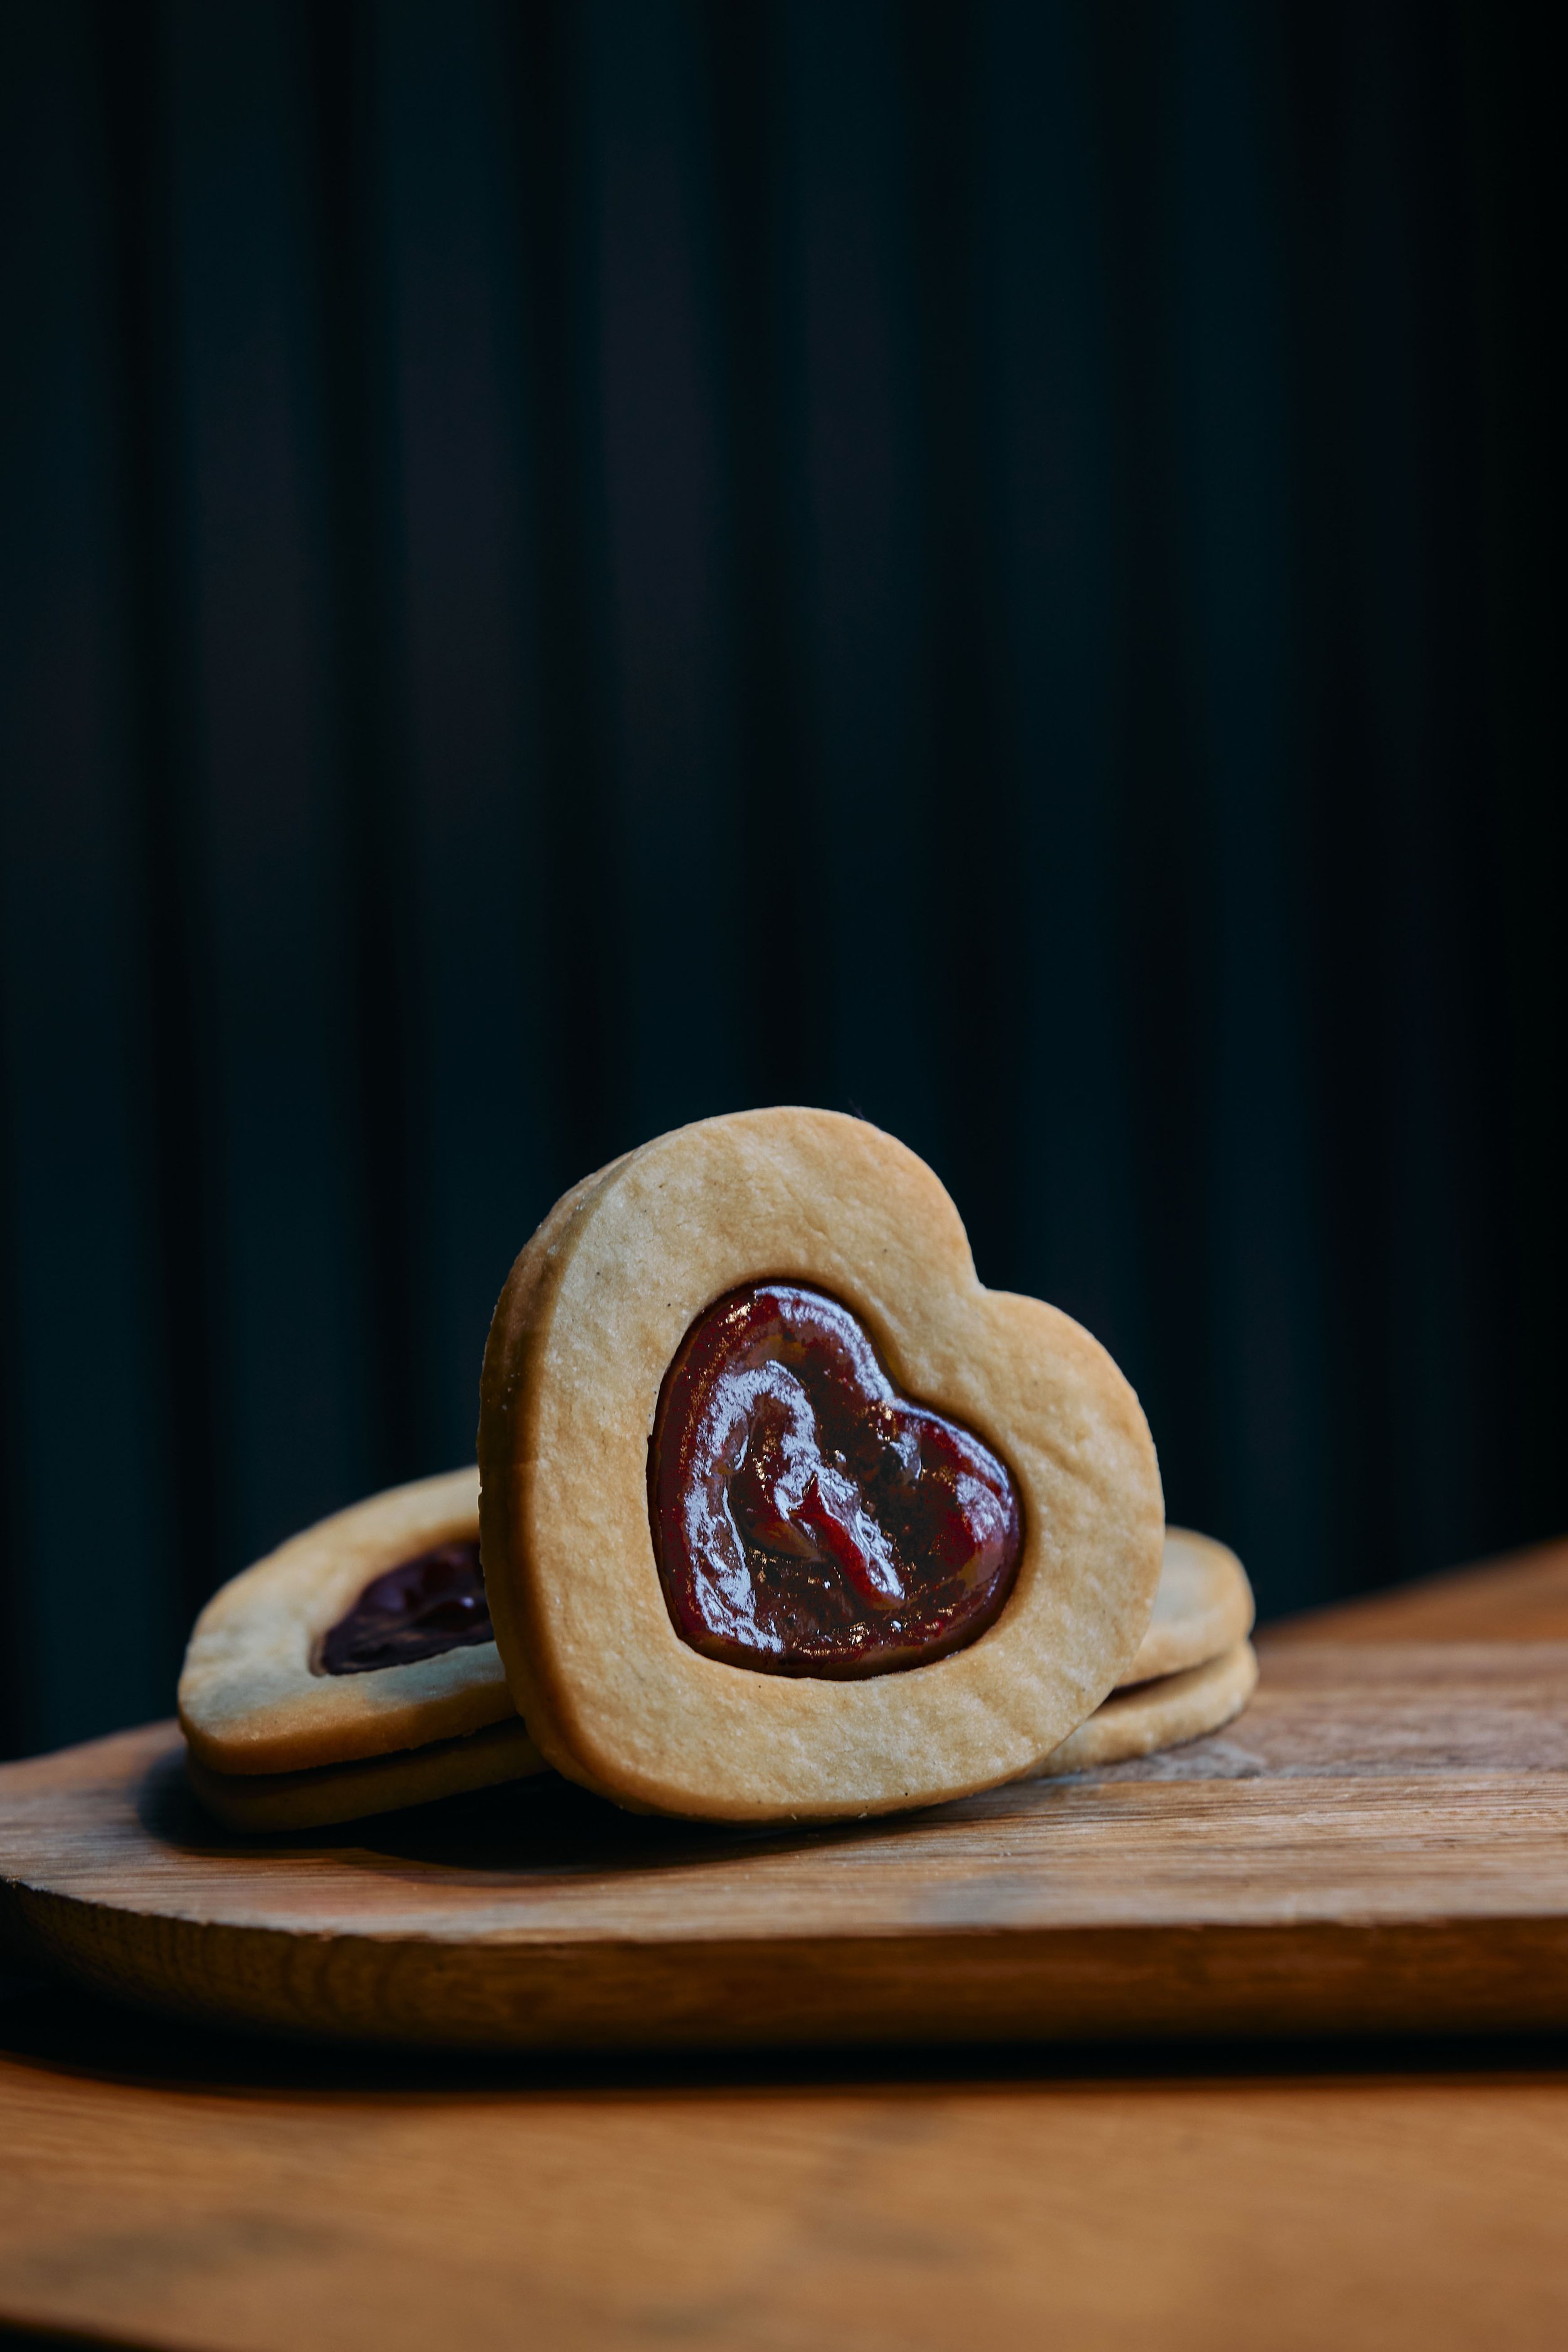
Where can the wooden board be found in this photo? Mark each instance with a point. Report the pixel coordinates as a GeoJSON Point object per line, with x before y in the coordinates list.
{"type": "Point", "coordinates": [1380, 1842]}
{"type": "Point", "coordinates": [165, 2189]}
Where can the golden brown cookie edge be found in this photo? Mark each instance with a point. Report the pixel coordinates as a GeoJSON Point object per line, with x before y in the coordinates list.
{"type": "Point", "coordinates": [578, 1353]}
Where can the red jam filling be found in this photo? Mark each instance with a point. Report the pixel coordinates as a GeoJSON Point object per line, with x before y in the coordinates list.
{"type": "Point", "coordinates": [413, 1611]}
{"type": "Point", "coordinates": [809, 1518]}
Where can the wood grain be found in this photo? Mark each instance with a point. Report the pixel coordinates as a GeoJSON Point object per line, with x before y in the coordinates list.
{"type": "Point", "coordinates": [166, 2189]}
{"type": "Point", "coordinates": [237, 2215]}
{"type": "Point", "coordinates": [1381, 1840]}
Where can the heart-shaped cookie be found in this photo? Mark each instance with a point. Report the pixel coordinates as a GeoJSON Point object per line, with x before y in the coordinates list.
{"type": "Point", "coordinates": [260, 1804]}
{"type": "Point", "coordinates": [1164, 1714]}
{"type": "Point", "coordinates": [1203, 1607]}
{"type": "Point", "coordinates": [582, 1352]}
{"type": "Point", "coordinates": [315, 1657]}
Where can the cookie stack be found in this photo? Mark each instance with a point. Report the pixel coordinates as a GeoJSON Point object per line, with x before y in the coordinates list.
{"type": "Point", "coordinates": [782, 1516]}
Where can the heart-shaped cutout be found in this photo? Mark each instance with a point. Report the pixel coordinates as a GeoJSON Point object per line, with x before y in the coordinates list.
{"type": "Point", "coordinates": [587, 1330]}
{"type": "Point", "coordinates": [809, 1519]}
{"type": "Point", "coordinates": [417, 1609]}
{"type": "Point", "coordinates": [259, 1693]}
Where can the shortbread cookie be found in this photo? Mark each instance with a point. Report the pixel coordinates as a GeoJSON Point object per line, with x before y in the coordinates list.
{"type": "Point", "coordinates": [783, 1514]}
{"type": "Point", "coordinates": [259, 1802]}
{"type": "Point", "coordinates": [1202, 1606]}
{"type": "Point", "coordinates": [321, 1653]}
{"type": "Point", "coordinates": [1160, 1714]}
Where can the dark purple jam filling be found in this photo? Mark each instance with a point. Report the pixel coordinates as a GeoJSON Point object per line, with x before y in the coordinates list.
{"type": "Point", "coordinates": [808, 1519]}
{"type": "Point", "coordinates": [413, 1611]}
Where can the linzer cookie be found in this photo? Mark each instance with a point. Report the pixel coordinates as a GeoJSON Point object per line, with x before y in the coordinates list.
{"type": "Point", "coordinates": [1158, 1714]}
{"type": "Point", "coordinates": [1195, 1668]}
{"type": "Point", "coordinates": [784, 1514]}
{"type": "Point", "coordinates": [260, 1804]}
{"type": "Point", "coordinates": [1203, 1607]}
{"type": "Point", "coordinates": [353, 1669]}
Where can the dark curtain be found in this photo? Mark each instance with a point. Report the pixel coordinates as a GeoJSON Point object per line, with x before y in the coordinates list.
{"type": "Point", "coordinates": [985, 562]}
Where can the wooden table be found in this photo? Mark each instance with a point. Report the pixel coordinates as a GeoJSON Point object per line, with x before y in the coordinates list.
{"type": "Point", "coordinates": [170, 2188]}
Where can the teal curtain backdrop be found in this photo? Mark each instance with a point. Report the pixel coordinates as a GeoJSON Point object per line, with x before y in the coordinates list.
{"type": "Point", "coordinates": [992, 563]}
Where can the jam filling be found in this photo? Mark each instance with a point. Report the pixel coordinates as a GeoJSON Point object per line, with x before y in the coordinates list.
{"type": "Point", "coordinates": [413, 1611]}
{"type": "Point", "coordinates": [808, 1519]}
